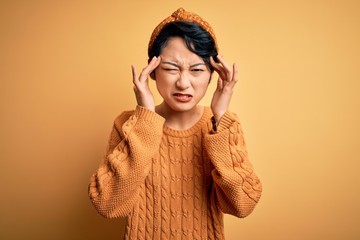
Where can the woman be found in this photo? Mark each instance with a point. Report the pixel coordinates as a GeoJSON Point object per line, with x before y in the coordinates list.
{"type": "Point", "coordinates": [175, 168]}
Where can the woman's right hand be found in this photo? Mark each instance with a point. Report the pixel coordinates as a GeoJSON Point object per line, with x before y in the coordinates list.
{"type": "Point", "coordinates": [142, 91]}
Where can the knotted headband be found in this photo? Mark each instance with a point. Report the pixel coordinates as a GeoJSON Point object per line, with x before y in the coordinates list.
{"type": "Point", "coordinates": [182, 15]}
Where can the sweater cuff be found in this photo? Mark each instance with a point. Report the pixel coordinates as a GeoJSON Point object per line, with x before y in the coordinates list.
{"type": "Point", "coordinates": [225, 121]}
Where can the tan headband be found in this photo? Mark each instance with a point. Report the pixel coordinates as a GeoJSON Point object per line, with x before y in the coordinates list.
{"type": "Point", "coordinates": [182, 15]}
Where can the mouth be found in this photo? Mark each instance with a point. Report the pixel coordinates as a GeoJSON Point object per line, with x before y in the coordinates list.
{"type": "Point", "coordinates": [182, 97]}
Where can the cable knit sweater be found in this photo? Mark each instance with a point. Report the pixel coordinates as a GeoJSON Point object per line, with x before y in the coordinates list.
{"type": "Point", "coordinates": [174, 184]}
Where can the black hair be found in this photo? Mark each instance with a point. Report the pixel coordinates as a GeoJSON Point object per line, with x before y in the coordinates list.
{"type": "Point", "coordinates": [197, 40]}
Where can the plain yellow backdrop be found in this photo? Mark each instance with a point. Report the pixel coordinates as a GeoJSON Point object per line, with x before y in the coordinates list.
{"type": "Point", "coordinates": [65, 74]}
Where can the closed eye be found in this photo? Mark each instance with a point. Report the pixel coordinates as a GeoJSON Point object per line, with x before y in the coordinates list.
{"type": "Point", "coordinates": [170, 70]}
{"type": "Point", "coordinates": [197, 70]}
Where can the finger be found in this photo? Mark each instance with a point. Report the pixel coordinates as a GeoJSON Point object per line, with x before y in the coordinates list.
{"type": "Point", "coordinates": [214, 64]}
{"type": "Point", "coordinates": [231, 84]}
{"type": "Point", "coordinates": [134, 75]}
{"type": "Point", "coordinates": [219, 85]}
{"type": "Point", "coordinates": [146, 71]}
{"type": "Point", "coordinates": [218, 68]}
{"type": "Point", "coordinates": [223, 63]}
{"type": "Point", "coordinates": [155, 61]}
{"type": "Point", "coordinates": [228, 70]}
{"type": "Point", "coordinates": [235, 72]}
{"type": "Point", "coordinates": [156, 64]}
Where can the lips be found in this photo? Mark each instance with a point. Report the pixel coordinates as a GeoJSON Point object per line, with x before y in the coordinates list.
{"type": "Point", "coordinates": [182, 97]}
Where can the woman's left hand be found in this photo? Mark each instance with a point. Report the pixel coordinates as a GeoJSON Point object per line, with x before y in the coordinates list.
{"type": "Point", "coordinates": [225, 87]}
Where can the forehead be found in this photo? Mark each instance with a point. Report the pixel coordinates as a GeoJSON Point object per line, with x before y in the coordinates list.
{"type": "Point", "coordinates": [177, 51]}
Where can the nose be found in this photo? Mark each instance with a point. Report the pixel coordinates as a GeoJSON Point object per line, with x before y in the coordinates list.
{"type": "Point", "coordinates": [183, 81]}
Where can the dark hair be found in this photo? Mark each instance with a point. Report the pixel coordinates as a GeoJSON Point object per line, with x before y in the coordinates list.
{"type": "Point", "coordinates": [197, 40]}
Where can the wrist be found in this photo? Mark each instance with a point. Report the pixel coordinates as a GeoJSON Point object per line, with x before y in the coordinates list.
{"type": "Point", "coordinates": [148, 107]}
{"type": "Point", "coordinates": [218, 116]}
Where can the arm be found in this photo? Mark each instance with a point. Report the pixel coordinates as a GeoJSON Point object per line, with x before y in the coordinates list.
{"type": "Point", "coordinates": [133, 143]}
{"type": "Point", "coordinates": [237, 187]}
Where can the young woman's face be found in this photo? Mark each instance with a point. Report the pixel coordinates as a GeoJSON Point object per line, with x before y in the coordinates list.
{"type": "Point", "coordinates": [182, 77]}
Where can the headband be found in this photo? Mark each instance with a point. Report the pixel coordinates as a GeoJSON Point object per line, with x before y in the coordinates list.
{"type": "Point", "coordinates": [182, 15]}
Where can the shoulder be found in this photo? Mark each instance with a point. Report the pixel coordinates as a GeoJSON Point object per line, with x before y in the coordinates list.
{"type": "Point", "coordinates": [122, 118]}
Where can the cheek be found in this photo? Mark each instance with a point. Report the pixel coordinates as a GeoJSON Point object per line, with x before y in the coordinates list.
{"type": "Point", "coordinates": [202, 86]}
{"type": "Point", "coordinates": [163, 85]}
{"type": "Point", "coordinates": [203, 82]}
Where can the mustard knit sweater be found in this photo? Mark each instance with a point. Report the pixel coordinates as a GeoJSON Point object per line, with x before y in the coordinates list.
{"type": "Point", "coordinates": [174, 184]}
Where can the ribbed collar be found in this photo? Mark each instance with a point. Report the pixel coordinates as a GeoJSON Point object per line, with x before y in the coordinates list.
{"type": "Point", "coordinates": [190, 131]}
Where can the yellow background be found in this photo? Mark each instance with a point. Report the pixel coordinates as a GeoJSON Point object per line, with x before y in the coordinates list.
{"type": "Point", "coordinates": [65, 74]}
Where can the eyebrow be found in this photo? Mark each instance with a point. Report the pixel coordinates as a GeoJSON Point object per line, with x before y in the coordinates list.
{"type": "Point", "coordinates": [175, 65]}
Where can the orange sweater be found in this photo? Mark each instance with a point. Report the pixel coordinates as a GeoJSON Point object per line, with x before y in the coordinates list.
{"type": "Point", "coordinates": [174, 184]}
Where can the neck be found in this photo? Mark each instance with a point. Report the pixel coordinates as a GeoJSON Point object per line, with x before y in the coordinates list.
{"type": "Point", "coordinates": [179, 120]}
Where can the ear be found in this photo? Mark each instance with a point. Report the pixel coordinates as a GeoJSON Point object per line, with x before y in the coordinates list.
{"type": "Point", "coordinates": [152, 75]}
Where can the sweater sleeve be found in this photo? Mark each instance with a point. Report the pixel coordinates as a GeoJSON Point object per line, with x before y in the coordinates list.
{"type": "Point", "coordinates": [237, 187]}
{"type": "Point", "coordinates": [133, 143]}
